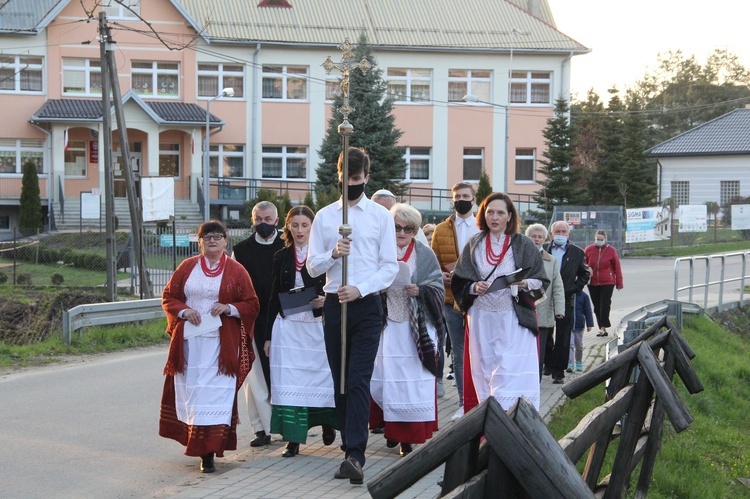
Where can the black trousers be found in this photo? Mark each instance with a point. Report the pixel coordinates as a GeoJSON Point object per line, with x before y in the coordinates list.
{"type": "Point", "coordinates": [558, 359]}
{"type": "Point", "coordinates": [364, 325]}
{"type": "Point", "coordinates": [259, 336]}
{"type": "Point", "coordinates": [545, 338]}
{"type": "Point", "coordinates": [601, 297]}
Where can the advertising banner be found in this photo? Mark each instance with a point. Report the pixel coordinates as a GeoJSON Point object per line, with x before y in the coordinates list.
{"type": "Point", "coordinates": [647, 224]}
{"type": "Point", "coordinates": [693, 218]}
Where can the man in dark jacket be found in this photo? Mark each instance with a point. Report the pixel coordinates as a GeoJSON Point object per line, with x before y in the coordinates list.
{"type": "Point", "coordinates": [574, 273]}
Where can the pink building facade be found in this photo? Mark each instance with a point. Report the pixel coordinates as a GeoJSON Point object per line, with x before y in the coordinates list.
{"type": "Point", "coordinates": [268, 132]}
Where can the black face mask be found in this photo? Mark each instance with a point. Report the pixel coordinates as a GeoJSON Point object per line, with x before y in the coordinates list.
{"type": "Point", "coordinates": [462, 206]}
{"type": "Point", "coordinates": [354, 191]}
{"type": "Point", "coordinates": [265, 230]}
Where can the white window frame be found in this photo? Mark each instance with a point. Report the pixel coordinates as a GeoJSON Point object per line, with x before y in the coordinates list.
{"type": "Point", "coordinates": [286, 155]}
{"type": "Point", "coordinates": [525, 157]}
{"type": "Point", "coordinates": [115, 10]}
{"type": "Point", "coordinates": [87, 69]}
{"type": "Point", "coordinates": [410, 155]}
{"type": "Point", "coordinates": [18, 66]}
{"type": "Point", "coordinates": [77, 146]}
{"type": "Point", "coordinates": [529, 79]}
{"type": "Point", "coordinates": [155, 71]}
{"type": "Point", "coordinates": [471, 82]}
{"type": "Point", "coordinates": [20, 148]}
{"type": "Point", "coordinates": [285, 77]}
{"type": "Point", "coordinates": [468, 156]}
{"type": "Point", "coordinates": [683, 188]}
{"type": "Point", "coordinates": [163, 151]}
{"type": "Point", "coordinates": [409, 80]}
{"type": "Point", "coordinates": [223, 77]}
{"type": "Point", "coordinates": [728, 190]}
{"type": "Point", "coordinates": [222, 152]}
{"type": "Point", "coordinates": [333, 88]}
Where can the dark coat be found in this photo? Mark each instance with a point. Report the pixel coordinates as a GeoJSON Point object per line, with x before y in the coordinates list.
{"type": "Point", "coordinates": [573, 270]}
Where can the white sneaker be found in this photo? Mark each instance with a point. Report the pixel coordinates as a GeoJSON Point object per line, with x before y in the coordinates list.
{"type": "Point", "coordinates": [458, 414]}
{"type": "Point", "coordinates": [440, 389]}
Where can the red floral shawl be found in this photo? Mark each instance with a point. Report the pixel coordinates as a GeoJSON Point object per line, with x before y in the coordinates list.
{"type": "Point", "coordinates": [235, 334]}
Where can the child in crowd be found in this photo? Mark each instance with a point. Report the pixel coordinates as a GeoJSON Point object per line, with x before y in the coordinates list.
{"type": "Point", "coordinates": [582, 318]}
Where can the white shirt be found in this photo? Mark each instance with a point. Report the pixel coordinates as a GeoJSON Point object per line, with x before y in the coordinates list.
{"type": "Point", "coordinates": [371, 264]}
{"type": "Point", "coordinates": [465, 228]}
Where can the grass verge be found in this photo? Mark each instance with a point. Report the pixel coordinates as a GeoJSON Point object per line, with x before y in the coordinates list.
{"type": "Point", "coordinates": [708, 459]}
{"type": "Point", "coordinates": [89, 341]}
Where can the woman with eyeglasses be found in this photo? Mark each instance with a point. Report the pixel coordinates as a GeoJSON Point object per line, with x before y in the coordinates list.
{"type": "Point", "coordinates": [211, 307]}
{"type": "Point", "coordinates": [301, 384]}
{"type": "Point", "coordinates": [403, 385]}
{"type": "Point", "coordinates": [501, 323]}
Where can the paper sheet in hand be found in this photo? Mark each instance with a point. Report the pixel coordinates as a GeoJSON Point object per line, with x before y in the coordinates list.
{"type": "Point", "coordinates": [208, 323]}
{"type": "Point", "coordinates": [403, 277]}
{"type": "Point", "coordinates": [297, 300]}
{"type": "Point", "coordinates": [504, 281]}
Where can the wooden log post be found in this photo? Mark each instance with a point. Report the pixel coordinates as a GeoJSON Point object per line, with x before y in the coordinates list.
{"type": "Point", "coordinates": [500, 480]}
{"type": "Point", "coordinates": [460, 465]}
{"type": "Point", "coordinates": [682, 364]}
{"type": "Point", "coordinates": [473, 489]}
{"type": "Point", "coordinates": [676, 410]}
{"type": "Point", "coordinates": [685, 346]}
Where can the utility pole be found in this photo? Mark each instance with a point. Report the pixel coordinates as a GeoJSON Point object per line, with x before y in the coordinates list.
{"type": "Point", "coordinates": [109, 180]}
{"type": "Point", "coordinates": [136, 217]}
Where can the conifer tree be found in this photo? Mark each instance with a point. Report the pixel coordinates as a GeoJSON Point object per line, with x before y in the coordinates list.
{"type": "Point", "coordinates": [30, 217]}
{"type": "Point", "coordinates": [558, 187]}
{"type": "Point", "coordinates": [374, 130]}
{"type": "Point", "coordinates": [484, 188]}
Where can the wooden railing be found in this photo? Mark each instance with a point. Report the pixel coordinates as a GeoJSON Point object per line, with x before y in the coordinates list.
{"type": "Point", "coordinates": [521, 458]}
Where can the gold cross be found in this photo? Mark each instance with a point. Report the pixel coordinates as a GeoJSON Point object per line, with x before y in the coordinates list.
{"type": "Point", "coordinates": [346, 66]}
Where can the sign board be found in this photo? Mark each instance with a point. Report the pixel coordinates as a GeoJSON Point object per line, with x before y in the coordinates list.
{"type": "Point", "coordinates": [93, 151]}
{"type": "Point", "coordinates": [572, 217]}
{"type": "Point", "coordinates": [741, 217]}
{"type": "Point", "coordinates": [693, 218]}
{"type": "Point", "coordinates": [647, 224]}
{"type": "Point", "coordinates": [179, 239]}
{"type": "Point", "coordinates": [91, 206]}
{"type": "Point", "coordinates": [157, 196]}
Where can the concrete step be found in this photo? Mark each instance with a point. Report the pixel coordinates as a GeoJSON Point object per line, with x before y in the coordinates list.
{"type": "Point", "coordinates": [187, 213]}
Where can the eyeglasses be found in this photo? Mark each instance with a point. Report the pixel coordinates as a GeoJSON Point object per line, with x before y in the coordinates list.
{"type": "Point", "coordinates": [213, 237]}
{"type": "Point", "coordinates": [407, 230]}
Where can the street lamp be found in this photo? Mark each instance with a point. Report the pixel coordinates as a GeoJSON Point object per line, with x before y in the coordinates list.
{"type": "Point", "coordinates": [473, 99]}
{"type": "Point", "coordinates": [227, 92]}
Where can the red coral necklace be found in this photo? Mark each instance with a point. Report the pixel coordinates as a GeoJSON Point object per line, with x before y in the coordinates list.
{"type": "Point", "coordinates": [408, 252]}
{"type": "Point", "coordinates": [208, 272]}
{"type": "Point", "coordinates": [492, 257]}
{"type": "Point", "coordinates": [297, 263]}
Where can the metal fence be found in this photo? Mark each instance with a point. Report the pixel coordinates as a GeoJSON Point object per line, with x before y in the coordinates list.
{"type": "Point", "coordinates": [586, 220]}
{"type": "Point", "coordinates": [712, 273]}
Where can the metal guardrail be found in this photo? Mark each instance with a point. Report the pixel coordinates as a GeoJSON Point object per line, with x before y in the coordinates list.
{"type": "Point", "coordinates": [101, 314]}
{"type": "Point", "coordinates": [723, 258]}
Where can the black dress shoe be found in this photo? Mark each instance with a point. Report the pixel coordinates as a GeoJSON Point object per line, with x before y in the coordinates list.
{"type": "Point", "coordinates": [329, 435]}
{"type": "Point", "coordinates": [391, 444]}
{"type": "Point", "coordinates": [260, 439]}
{"type": "Point", "coordinates": [377, 430]}
{"type": "Point", "coordinates": [405, 449]}
{"type": "Point", "coordinates": [558, 381]}
{"type": "Point", "coordinates": [292, 449]}
{"type": "Point", "coordinates": [207, 463]}
{"type": "Point", "coordinates": [351, 469]}
{"type": "Point", "coordinates": [547, 371]}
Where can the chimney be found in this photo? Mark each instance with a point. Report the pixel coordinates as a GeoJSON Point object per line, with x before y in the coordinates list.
{"type": "Point", "coordinates": [534, 7]}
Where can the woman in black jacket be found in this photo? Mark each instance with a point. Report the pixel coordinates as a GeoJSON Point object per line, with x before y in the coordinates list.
{"type": "Point", "coordinates": [302, 393]}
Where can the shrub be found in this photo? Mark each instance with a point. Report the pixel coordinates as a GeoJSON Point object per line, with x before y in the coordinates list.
{"type": "Point", "coordinates": [3, 277]}
{"type": "Point", "coordinates": [57, 278]}
{"type": "Point", "coordinates": [24, 278]}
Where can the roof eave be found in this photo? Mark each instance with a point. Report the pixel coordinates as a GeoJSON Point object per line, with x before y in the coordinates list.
{"type": "Point", "coordinates": [696, 154]}
{"type": "Point", "coordinates": [52, 14]}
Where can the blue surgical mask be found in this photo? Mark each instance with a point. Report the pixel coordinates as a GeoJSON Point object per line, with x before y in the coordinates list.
{"type": "Point", "coordinates": [600, 243]}
{"type": "Point", "coordinates": [560, 240]}
{"type": "Point", "coordinates": [541, 249]}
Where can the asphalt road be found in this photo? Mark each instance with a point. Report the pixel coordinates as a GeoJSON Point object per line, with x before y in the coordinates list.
{"type": "Point", "coordinates": [89, 428]}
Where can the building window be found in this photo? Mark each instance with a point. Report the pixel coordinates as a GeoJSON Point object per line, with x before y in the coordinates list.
{"type": "Point", "coordinates": [284, 162]}
{"type": "Point", "coordinates": [75, 158]}
{"type": "Point", "coordinates": [285, 82]}
{"type": "Point", "coordinates": [214, 77]}
{"type": "Point", "coordinates": [730, 189]}
{"type": "Point", "coordinates": [333, 88]}
{"type": "Point", "coordinates": [125, 9]}
{"type": "Point", "coordinates": [82, 77]}
{"type": "Point", "coordinates": [14, 153]}
{"type": "Point", "coordinates": [680, 192]}
{"type": "Point", "coordinates": [418, 161]}
{"type": "Point", "coordinates": [530, 87]}
{"type": "Point", "coordinates": [4, 222]}
{"type": "Point", "coordinates": [155, 79]}
{"type": "Point", "coordinates": [169, 160]}
{"type": "Point", "coordinates": [473, 163]}
{"type": "Point", "coordinates": [231, 157]}
{"type": "Point", "coordinates": [469, 82]}
{"type": "Point", "coordinates": [525, 162]}
{"type": "Point", "coordinates": [21, 73]}
{"type": "Point", "coordinates": [409, 85]}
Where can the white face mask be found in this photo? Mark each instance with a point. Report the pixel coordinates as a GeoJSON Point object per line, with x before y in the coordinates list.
{"type": "Point", "coordinates": [560, 240]}
{"type": "Point", "coordinates": [600, 243]}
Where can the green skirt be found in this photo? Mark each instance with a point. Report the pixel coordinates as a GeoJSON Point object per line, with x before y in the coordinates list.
{"type": "Point", "coordinates": [293, 422]}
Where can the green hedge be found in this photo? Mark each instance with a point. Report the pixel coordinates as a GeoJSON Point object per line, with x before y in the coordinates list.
{"type": "Point", "coordinates": [48, 256]}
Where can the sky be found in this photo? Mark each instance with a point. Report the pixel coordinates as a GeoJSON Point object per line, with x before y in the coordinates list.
{"type": "Point", "coordinates": [626, 37]}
